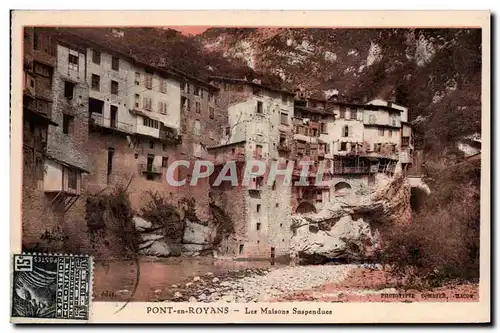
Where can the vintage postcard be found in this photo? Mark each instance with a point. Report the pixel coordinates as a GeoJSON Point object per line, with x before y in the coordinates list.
{"type": "Point", "coordinates": [250, 167]}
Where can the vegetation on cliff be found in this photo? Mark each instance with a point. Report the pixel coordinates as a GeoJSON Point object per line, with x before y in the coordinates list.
{"type": "Point", "coordinates": [442, 242]}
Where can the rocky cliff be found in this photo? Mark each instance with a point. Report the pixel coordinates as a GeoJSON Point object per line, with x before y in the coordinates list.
{"type": "Point", "coordinates": [352, 227]}
{"type": "Point", "coordinates": [436, 72]}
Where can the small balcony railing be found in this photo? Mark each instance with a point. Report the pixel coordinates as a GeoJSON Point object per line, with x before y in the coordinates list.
{"type": "Point", "coordinates": [98, 120]}
{"type": "Point", "coordinates": [151, 169]}
{"type": "Point", "coordinates": [284, 147]}
{"type": "Point", "coordinates": [341, 170]}
{"type": "Point", "coordinates": [170, 135]}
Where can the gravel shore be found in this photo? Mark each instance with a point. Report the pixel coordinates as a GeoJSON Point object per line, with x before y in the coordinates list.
{"type": "Point", "coordinates": [256, 284]}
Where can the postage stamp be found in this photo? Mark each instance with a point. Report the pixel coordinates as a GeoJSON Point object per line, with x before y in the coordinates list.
{"type": "Point", "coordinates": [251, 167]}
{"type": "Point", "coordinates": [51, 286]}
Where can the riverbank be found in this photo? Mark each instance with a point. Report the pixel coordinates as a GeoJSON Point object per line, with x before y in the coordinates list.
{"type": "Point", "coordinates": [209, 280]}
{"type": "Point", "coordinates": [376, 285]}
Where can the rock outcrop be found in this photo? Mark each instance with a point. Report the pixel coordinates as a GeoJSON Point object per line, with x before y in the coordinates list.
{"type": "Point", "coordinates": [198, 237]}
{"type": "Point", "coordinates": [153, 241]}
{"type": "Point", "coordinates": [351, 228]}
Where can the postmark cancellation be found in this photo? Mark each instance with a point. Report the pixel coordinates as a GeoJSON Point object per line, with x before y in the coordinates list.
{"type": "Point", "coordinates": [51, 286]}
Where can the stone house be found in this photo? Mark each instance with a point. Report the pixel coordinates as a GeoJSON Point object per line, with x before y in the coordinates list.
{"type": "Point", "coordinates": [259, 123]}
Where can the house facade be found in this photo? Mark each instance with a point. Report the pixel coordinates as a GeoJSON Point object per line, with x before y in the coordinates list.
{"type": "Point", "coordinates": [259, 121]}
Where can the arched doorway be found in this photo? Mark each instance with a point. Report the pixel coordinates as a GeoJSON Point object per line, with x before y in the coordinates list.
{"type": "Point", "coordinates": [305, 207]}
{"type": "Point", "coordinates": [342, 188]}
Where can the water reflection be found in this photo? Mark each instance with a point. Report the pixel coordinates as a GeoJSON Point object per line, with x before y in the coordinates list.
{"type": "Point", "coordinates": [114, 278]}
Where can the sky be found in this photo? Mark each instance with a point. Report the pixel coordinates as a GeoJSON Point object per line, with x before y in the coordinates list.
{"type": "Point", "coordinates": [190, 30]}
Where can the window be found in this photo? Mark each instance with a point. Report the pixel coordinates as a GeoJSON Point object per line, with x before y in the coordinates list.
{"type": "Point", "coordinates": [149, 81]}
{"type": "Point", "coordinates": [258, 151]}
{"type": "Point", "coordinates": [115, 63]}
{"type": "Point", "coordinates": [96, 57]}
{"type": "Point", "coordinates": [389, 132]}
{"type": "Point", "coordinates": [377, 147]}
{"type": "Point", "coordinates": [211, 112]}
{"type": "Point", "coordinates": [259, 107]}
{"type": "Point", "coordinates": [137, 80]}
{"type": "Point", "coordinates": [405, 141]}
{"type": "Point", "coordinates": [163, 86]}
{"type": "Point", "coordinates": [68, 124]}
{"type": "Point", "coordinates": [241, 248]}
{"type": "Point", "coordinates": [183, 86]}
{"type": "Point", "coordinates": [137, 100]}
{"type": "Point", "coordinates": [43, 106]}
{"type": "Point", "coordinates": [343, 146]}
{"type": "Point", "coordinates": [96, 82]}
{"type": "Point", "coordinates": [211, 97]}
{"type": "Point", "coordinates": [72, 179]}
{"type": "Point", "coordinates": [345, 131]}
{"type": "Point", "coordinates": [35, 41]}
{"type": "Point", "coordinates": [227, 130]}
{"type": "Point", "coordinates": [342, 112]}
{"type": "Point", "coordinates": [197, 91]}
{"type": "Point", "coordinates": [354, 113]}
{"type": "Point", "coordinates": [151, 122]}
{"type": "Point", "coordinates": [114, 87]}
{"type": "Point", "coordinates": [73, 62]}
{"type": "Point", "coordinates": [111, 153]}
{"type": "Point", "coordinates": [258, 209]}
{"type": "Point", "coordinates": [198, 150]}
{"type": "Point", "coordinates": [69, 89]}
{"type": "Point", "coordinates": [198, 107]}
{"type": "Point", "coordinates": [324, 128]}
{"type": "Point", "coordinates": [151, 145]}
{"type": "Point", "coordinates": [149, 164]}
{"type": "Point", "coordinates": [189, 105]}
{"type": "Point", "coordinates": [380, 132]}
{"type": "Point", "coordinates": [258, 224]}
{"type": "Point", "coordinates": [164, 162]}
{"type": "Point", "coordinates": [113, 110]}
{"type": "Point", "coordinates": [327, 148]}
{"type": "Point", "coordinates": [147, 103]}
{"type": "Point", "coordinates": [197, 127]}
{"type": "Point", "coordinates": [162, 107]}
{"type": "Point", "coordinates": [42, 69]}
{"type": "Point", "coordinates": [284, 118]}
{"type": "Point", "coordinates": [183, 102]}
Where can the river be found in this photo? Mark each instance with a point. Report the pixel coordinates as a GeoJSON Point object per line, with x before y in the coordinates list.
{"type": "Point", "coordinates": [116, 277]}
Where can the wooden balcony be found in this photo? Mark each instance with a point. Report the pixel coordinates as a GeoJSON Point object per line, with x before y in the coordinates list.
{"type": "Point", "coordinates": [150, 169]}
{"type": "Point", "coordinates": [344, 170]}
{"type": "Point", "coordinates": [47, 57]}
{"type": "Point", "coordinates": [170, 135]}
{"type": "Point", "coordinates": [283, 147]}
{"type": "Point", "coordinates": [35, 142]}
{"type": "Point", "coordinates": [38, 108]}
{"type": "Point", "coordinates": [98, 120]}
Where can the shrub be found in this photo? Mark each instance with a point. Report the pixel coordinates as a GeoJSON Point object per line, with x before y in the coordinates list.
{"type": "Point", "coordinates": [163, 215]}
{"type": "Point", "coordinates": [442, 242]}
{"type": "Point", "coordinates": [111, 215]}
